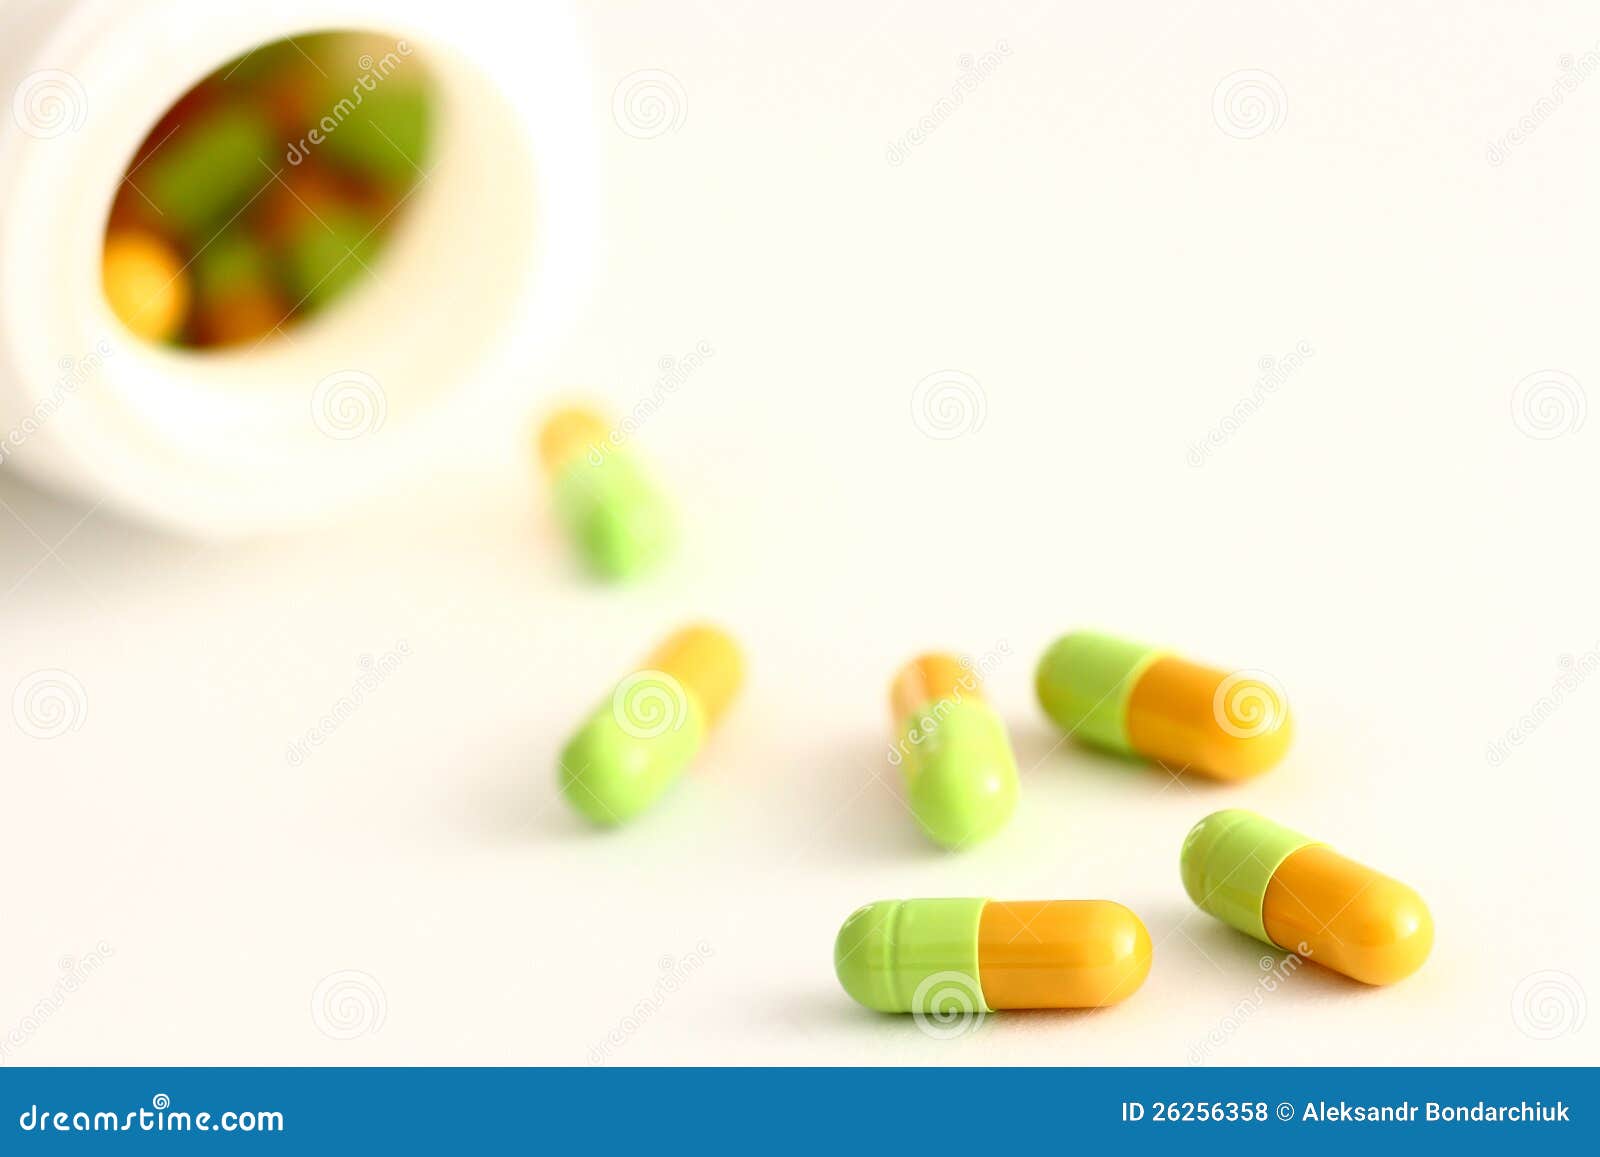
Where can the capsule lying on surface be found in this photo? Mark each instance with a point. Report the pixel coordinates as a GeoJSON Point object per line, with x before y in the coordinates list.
{"type": "Point", "coordinates": [922, 956]}
{"type": "Point", "coordinates": [961, 777]}
{"type": "Point", "coordinates": [1138, 700]}
{"type": "Point", "coordinates": [1296, 894]}
{"type": "Point", "coordinates": [636, 743]}
{"type": "Point", "coordinates": [618, 519]}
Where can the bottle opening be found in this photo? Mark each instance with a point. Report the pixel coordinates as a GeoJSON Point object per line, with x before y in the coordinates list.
{"type": "Point", "coordinates": [268, 192]}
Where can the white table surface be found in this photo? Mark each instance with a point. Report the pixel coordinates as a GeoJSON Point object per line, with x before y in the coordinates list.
{"type": "Point", "coordinates": [1085, 241]}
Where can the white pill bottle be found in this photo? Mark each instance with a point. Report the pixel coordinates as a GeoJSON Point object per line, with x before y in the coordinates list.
{"type": "Point", "coordinates": [426, 363]}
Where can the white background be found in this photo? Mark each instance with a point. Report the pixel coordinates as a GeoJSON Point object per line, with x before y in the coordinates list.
{"type": "Point", "coordinates": [1109, 257]}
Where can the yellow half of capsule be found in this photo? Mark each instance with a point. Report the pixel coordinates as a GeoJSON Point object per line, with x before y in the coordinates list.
{"type": "Point", "coordinates": [1346, 916]}
{"type": "Point", "coordinates": [146, 284]}
{"type": "Point", "coordinates": [570, 434]}
{"type": "Point", "coordinates": [928, 679]}
{"type": "Point", "coordinates": [708, 664]}
{"type": "Point", "coordinates": [1189, 717]}
{"type": "Point", "coordinates": [1060, 953]}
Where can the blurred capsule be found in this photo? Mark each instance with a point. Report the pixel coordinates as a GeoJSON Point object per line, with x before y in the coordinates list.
{"type": "Point", "coordinates": [960, 774]}
{"type": "Point", "coordinates": [145, 284]}
{"type": "Point", "coordinates": [639, 740]}
{"type": "Point", "coordinates": [325, 255]}
{"type": "Point", "coordinates": [615, 515]}
{"type": "Point", "coordinates": [244, 317]}
{"type": "Point", "coordinates": [385, 137]}
{"type": "Point", "coordinates": [206, 171]}
{"type": "Point", "coordinates": [236, 297]}
{"type": "Point", "coordinates": [287, 78]}
{"type": "Point", "coordinates": [299, 196]}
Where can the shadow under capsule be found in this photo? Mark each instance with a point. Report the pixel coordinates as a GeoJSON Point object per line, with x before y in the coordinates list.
{"type": "Point", "coordinates": [1024, 1018]}
{"type": "Point", "coordinates": [1205, 942]}
{"type": "Point", "coordinates": [864, 809]}
{"type": "Point", "coordinates": [871, 808]}
{"type": "Point", "coordinates": [815, 1008]}
{"type": "Point", "coordinates": [1042, 750]}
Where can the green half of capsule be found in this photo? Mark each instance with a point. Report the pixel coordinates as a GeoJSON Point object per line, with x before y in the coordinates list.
{"type": "Point", "coordinates": [1229, 858]}
{"type": "Point", "coordinates": [619, 519]}
{"type": "Point", "coordinates": [887, 954]}
{"type": "Point", "coordinates": [632, 748]}
{"type": "Point", "coordinates": [1084, 683]}
{"type": "Point", "coordinates": [328, 253]}
{"type": "Point", "coordinates": [235, 260]}
{"type": "Point", "coordinates": [202, 175]}
{"type": "Point", "coordinates": [961, 775]}
{"type": "Point", "coordinates": [386, 136]}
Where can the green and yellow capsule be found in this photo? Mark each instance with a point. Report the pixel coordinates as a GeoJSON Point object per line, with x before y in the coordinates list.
{"type": "Point", "coordinates": [1138, 700]}
{"type": "Point", "coordinates": [637, 743]}
{"type": "Point", "coordinates": [961, 777]}
{"type": "Point", "coordinates": [951, 961]}
{"type": "Point", "coordinates": [619, 520]}
{"type": "Point", "coordinates": [1295, 893]}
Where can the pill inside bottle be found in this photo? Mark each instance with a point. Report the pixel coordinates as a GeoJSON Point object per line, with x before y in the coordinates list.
{"type": "Point", "coordinates": [267, 192]}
